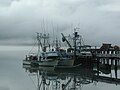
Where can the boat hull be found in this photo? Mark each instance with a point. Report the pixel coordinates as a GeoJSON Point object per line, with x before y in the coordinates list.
{"type": "Point", "coordinates": [66, 62]}
{"type": "Point", "coordinates": [50, 63]}
{"type": "Point", "coordinates": [27, 62]}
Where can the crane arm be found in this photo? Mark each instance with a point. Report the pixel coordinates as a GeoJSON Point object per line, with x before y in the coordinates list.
{"type": "Point", "coordinates": [64, 39]}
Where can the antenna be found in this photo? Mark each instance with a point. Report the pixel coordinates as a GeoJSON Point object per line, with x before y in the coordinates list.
{"type": "Point", "coordinates": [44, 25]}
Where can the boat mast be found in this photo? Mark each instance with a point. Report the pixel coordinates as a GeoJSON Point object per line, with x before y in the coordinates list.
{"type": "Point", "coordinates": [57, 44]}
{"type": "Point", "coordinates": [44, 47]}
{"type": "Point", "coordinates": [75, 39]}
{"type": "Point", "coordinates": [39, 43]}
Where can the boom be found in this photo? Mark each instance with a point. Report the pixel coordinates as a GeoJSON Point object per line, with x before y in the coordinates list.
{"type": "Point", "coordinates": [64, 39]}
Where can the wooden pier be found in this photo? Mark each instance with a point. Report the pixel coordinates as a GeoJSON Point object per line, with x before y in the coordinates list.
{"type": "Point", "coordinates": [114, 56]}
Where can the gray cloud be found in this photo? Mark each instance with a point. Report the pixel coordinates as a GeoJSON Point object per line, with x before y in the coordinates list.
{"type": "Point", "coordinates": [98, 20]}
{"type": "Point", "coordinates": [4, 3]}
{"type": "Point", "coordinates": [4, 88]}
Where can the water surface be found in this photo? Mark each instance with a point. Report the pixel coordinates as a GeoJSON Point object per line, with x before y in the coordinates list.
{"type": "Point", "coordinates": [14, 77]}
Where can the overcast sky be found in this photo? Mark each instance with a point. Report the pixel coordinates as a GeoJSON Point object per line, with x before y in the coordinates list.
{"type": "Point", "coordinates": [99, 20]}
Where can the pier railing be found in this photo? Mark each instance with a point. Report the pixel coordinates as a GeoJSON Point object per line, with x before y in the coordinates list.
{"type": "Point", "coordinates": [107, 55]}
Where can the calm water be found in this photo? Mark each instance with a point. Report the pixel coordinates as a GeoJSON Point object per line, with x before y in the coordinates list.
{"type": "Point", "coordinates": [14, 77]}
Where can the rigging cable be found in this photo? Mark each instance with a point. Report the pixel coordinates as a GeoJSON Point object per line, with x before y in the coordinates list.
{"type": "Point", "coordinates": [32, 47]}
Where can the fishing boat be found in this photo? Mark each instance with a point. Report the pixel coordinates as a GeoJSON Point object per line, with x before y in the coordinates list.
{"type": "Point", "coordinates": [61, 58]}
{"type": "Point", "coordinates": [48, 58]}
{"type": "Point", "coordinates": [42, 61]}
{"type": "Point", "coordinates": [43, 57]}
{"type": "Point", "coordinates": [76, 48]}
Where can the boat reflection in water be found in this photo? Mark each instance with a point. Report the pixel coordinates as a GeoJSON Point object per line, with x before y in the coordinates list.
{"type": "Point", "coordinates": [50, 78]}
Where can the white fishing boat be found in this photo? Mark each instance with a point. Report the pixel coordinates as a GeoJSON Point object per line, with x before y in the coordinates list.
{"type": "Point", "coordinates": [48, 58]}
{"type": "Point", "coordinates": [44, 60]}
{"type": "Point", "coordinates": [43, 57]}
